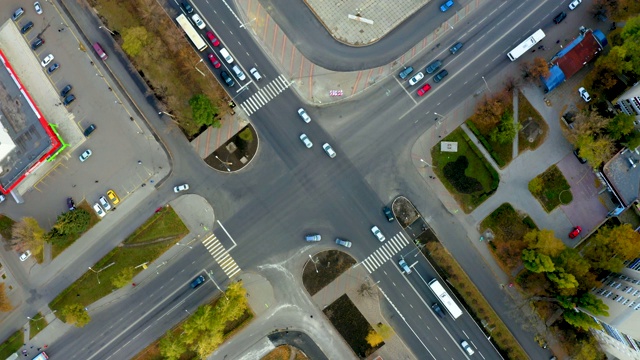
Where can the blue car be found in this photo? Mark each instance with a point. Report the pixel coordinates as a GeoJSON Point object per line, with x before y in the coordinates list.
{"type": "Point", "coordinates": [444, 7]}
{"type": "Point", "coordinates": [197, 282]}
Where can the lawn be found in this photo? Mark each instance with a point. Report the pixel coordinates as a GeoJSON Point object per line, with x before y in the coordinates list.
{"type": "Point", "coordinates": [466, 174]}
{"type": "Point", "coordinates": [509, 228]}
{"type": "Point", "coordinates": [37, 325]}
{"type": "Point", "coordinates": [314, 281]}
{"type": "Point", "coordinates": [62, 244]}
{"type": "Point", "coordinates": [502, 154]}
{"type": "Point", "coordinates": [551, 189]}
{"type": "Point", "coordinates": [92, 286]}
{"type": "Point", "coordinates": [6, 223]}
{"type": "Point", "coordinates": [12, 344]}
{"type": "Point", "coordinates": [351, 324]}
{"type": "Point", "coordinates": [527, 111]}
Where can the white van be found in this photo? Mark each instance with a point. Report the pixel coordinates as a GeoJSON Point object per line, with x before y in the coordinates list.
{"type": "Point", "coordinates": [239, 73]}
{"type": "Point", "coordinates": [226, 56]}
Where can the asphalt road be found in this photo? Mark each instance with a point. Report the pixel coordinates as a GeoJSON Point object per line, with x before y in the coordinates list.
{"type": "Point", "coordinates": [289, 190]}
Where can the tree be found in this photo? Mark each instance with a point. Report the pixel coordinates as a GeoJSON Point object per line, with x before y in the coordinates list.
{"type": "Point", "coordinates": [573, 263]}
{"type": "Point", "coordinates": [124, 277]}
{"type": "Point", "coordinates": [489, 111]}
{"type": "Point", "coordinates": [596, 150]}
{"type": "Point", "coordinates": [246, 135]}
{"type": "Point", "coordinates": [538, 68]}
{"type": "Point", "coordinates": [592, 304]}
{"type": "Point", "coordinates": [72, 222]}
{"type": "Point", "coordinates": [580, 320]}
{"type": "Point", "coordinates": [611, 246]}
{"type": "Point", "coordinates": [373, 338]}
{"type": "Point", "coordinates": [544, 242]}
{"type": "Point", "coordinates": [506, 129]}
{"type": "Point", "coordinates": [621, 125]}
{"type": "Point", "coordinates": [536, 185]}
{"type": "Point", "coordinates": [27, 235]}
{"type": "Point", "coordinates": [203, 110]}
{"type": "Point", "coordinates": [384, 330]}
{"type": "Point", "coordinates": [5, 303]}
{"type": "Point", "coordinates": [536, 262]}
{"type": "Point", "coordinates": [563, 280]}
{"type": "Point", "coordinates": [208, 343]}
{"type": "Point", "coordinates": [134, 40]}
{"type": "Point", "coordinates": [171, 346]}
{"type": "Point", "coordinates": [619, 10]}
{"type": "Point", "coordinates": [76, 315]}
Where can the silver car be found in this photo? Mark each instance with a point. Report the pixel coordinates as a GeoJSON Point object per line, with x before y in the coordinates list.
{"type": "Point", "coordinates": [345, 243]}
{"type": "Point", "coordinates": [329, 150]}
{"type": "Point", "coordinates": [465, 345]}
{"type": "Point", "coordinates": [404, 266]}
{"type": "Point", "coordinates": [377, 233]}
{"type": "Point", "coordinates": [305, 139]}
{"type": "Point", "coordinates": [304, 116]}
{"type": "Point", "coordinates": [313, 237]}
{"type": "Point", "coordinates": [105, 204]}
{"type": "Point", "coordinates": [98, 209]}
{"type": "Point", "coordinates": [416, 78]}
{"type": "Point", "coordinates": [85, 155]}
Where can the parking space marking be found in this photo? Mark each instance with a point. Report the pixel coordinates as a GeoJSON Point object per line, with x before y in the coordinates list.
{"type": "Point", "coordinates": [266, 94]}
{"type": "Point", "coordinates": [221, 256]}
{"type": "Point", "coordinates": [385, 252]}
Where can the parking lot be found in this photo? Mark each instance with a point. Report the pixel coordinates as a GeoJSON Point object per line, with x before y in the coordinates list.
{"type": "Point", "coordinates": [124, 154]}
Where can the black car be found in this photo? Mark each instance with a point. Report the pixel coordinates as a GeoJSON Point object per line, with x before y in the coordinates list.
{"type": "Point", "coordinates": [70, 204]}
{"type": "Point", "coordinates": [433, 66]}
{"type": "Point", "coordinates": [404, 73]}
{"type": "Point", "coordinates": [454, 49]}
{"type": "Point", "coordinates": [388, 213]}
{"type": "Point", "coordinates": [66, 90]}
{"type": "Point", "coordinates": [187, 7]}
{"type": "Point", "coordinates": [436, 309]}
{"type": "Point", "coordinates": [89, 130]}
{"type": "Point", "coordinates": [69, 99]}
{"type": "Point", "coordinates": [582, 160]}
{"type": "Point", "coordinates": [227, 79]}
{"type": "Point", "coordinates": [439, 76]}
{"type": "Point", "coordinates": [37, 43]}
{"type": "Point", "coordinates": [27, 27]}
{"type": "Point", "coordinates": [558, 19]}
{"type": "Point", "coordinates": [53, 68]}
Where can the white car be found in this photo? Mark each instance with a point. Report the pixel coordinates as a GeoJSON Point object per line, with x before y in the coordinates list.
{"type": "Point", "coordinates": [24, 256]}
{"type": "Point", "coordinates": [329, 150]}
{"type": "Point", "coordinates": [584, 94]}
{"type": "Point", "coordinates": [199, 23]}
{"type": "Point", "coordinates": [574, 4]}
{"type": "Point", "coordinates": [304, 116]}
{"type": "Point", "coordinates": [465, 344]}
{"type": "Point", "coordinates": [98, 209]}
{"type": "Point", "coordinates": [226, 56]}
{"type": "Point", "coordinates": [416, 78]}
{"type": "Point", "coordinates": [85, 155]}
{"type": "Point", "coordinates": [404, 266]}
{"type": "Point", "coordinates": [36, 5]}
{"type": "Point", "coordinates": [47, 59]}
{"type": "Point", "coordinates": [182, 187]}
{"type": "Point", "coordinates": [256, 74]}
{"type": "Point", "coordinates": [105, 204]}
{"type": "Point", "coordinates": [377, 233]}
{"type": "Point", "coordinates": [306, 141]}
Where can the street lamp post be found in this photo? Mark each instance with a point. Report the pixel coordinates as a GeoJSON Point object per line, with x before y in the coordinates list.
{"type": "Point", "coordinates": [223, 163]}
{"type": "Point", "coordinates": [104, 27]}
{"type": "Point", "coordinates": [247, 23]}
{"type": "Point", "coordinates": [314, 263]}
{"type": "Point", "coordinates": [485, 83]}
{"type": "Point", "coordinates": [97, 272]}
{"type": "Point", "coordinates": [196, 67]}
{"type": "Point", "coordinates": [426, 163]}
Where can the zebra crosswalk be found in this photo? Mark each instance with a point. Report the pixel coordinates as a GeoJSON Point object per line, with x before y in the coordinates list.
{"type": "Point", "coordinates": [264, 95]}
{"type": "Point", "coordinates": [385, 252]}
{"type": "Point", "coordinates": [221, 256]}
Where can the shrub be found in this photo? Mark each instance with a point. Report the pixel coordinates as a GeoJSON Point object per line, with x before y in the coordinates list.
{"type": "Point", "coordinates": [455, 174]}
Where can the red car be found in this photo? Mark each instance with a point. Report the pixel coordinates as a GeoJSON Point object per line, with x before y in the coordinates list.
{"type": "Point", "coordinates": [214, 40]}
{"type": "Point", "coordinates": [576, 231]}
{"type": "Point", "coordinates": [423, 90]}
{"type": "Point", "coordinates": [214, 61]}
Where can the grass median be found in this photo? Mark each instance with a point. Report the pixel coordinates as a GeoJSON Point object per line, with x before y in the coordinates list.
{"type": "Point", "coordinates": [157, 235]}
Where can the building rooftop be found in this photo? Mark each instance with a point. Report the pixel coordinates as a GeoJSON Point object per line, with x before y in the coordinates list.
{"type": "Point", "coordinates": [624, 175]}
{"type": "Point", "coordinates": [578, 53]}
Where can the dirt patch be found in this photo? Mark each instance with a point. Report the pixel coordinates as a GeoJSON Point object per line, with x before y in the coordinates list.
{"type": "Point", "coordinates": [236, 153]}
{"type": "Point", "coordinates": [330, 265]}
{"type": "Point", "coordinates": [405, 212]}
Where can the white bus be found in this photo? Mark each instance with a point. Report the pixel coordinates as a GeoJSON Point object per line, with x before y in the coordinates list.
{"type": "Point", "coordinates": [191, 32]}
{"type": "Point", "coordinates": [445, 299]}
{"type": "Point", "coordinates": [524, 46]}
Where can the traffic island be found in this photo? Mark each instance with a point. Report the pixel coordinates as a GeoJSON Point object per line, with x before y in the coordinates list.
{"type": "Point", "coordinates": [332, 263]}
{"type": "Point", "coordinates": [551, 189]}
{"type": "Point", "coordinates": [235, 153]}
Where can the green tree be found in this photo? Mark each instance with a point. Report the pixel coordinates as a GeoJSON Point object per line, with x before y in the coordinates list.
{"type": "Point", "coordinates": [246, 135]}
{"type": "Point", "coordinates": [611, 246]}
{"type": "Point", "coordinates": [562, 279]}
{"type": "Point", "coordinates": [134, 40]}
{"type": "Point", "coordinates": [536, 262]}
{"type": "Point", "coordinates": [203, 110]}
{"type": "Point", "coordinates": [171, 346]}
{"type": "Point", "coordinates": [631, 42]}
{"type": "Point", "coordinates": [72, 222]}
{"type": "Point", "coordinates": [580, 320]}
{"type": "Point", "coordinates": [27, 235]}
{"type": "Point", "coordinates": [124, 277]}
{"type": "Point", "coordinates": [596, 150]}
{"type": "Point", "coordinates": [208, 343]}
{"type": "Point", "coordinates": [544, 242]}
{"type": "Point", "coordinates": [592, 304]}
{"type": "Point", "coordinates": [536, 185]}
{"type": "Point", "coordinates": [75, 314]}
{"type": "Point", "coordinates": [573, 263]}
{"type": "Point", "coordinates": [620, 125]}
{"type": "Point", "coordinates": [506, 129]}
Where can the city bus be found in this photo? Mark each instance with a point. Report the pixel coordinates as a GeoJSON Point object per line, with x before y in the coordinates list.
{"type": "Point", "coordinates": [191, 32]}
{"type": "Point", "coordinates": [41, 356]}
{"type": "Point", "coordinates": [524, 46]}
{"type": "Point", "coordinates": [445, 299]}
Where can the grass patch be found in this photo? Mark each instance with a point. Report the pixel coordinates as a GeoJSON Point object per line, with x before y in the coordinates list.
{"type": "Point", "coordinates": [6, 224]}
{"type": "Point", "coordinates": [167, 60]}
{"type": "Point", "coordinates": [284, 352]}
{"type": "Point", "coordinates": [92, 286]}
{"type": "Point", "coordinates": [526, 111]}
{"type": "Point", "coordinates": [509, 228]}
{"type": "Point", "coordinates": [314, 281]}
{"type": "Point", "coordinates": [477, 181]}
{"type": "Point", "coordinates": [351, 324]}
{"type": "Point", "coordinates": [12, 344]}
{"type": "Point", "coordinates": [502, 154]}
{"type": "Point", "coordinates": [64, 242]}
{"type": "Point", "coordinates": [163, 224]}
{"type": "Point", "coordinates": [37, 325]}
{"type": "Point", "coordinates": [551, 189]}
{"type": "Point", "coordinates": [474, 301]}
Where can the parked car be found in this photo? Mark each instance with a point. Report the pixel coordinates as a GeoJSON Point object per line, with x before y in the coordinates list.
{"type": "Point", "coordinates": [241, 76]}
{"type": "Point", "coordinates": [405, 72]}
{"type": "Point", "coordinates": [441, 75]}
{"type": "Point", "coordinates": [214, 61]}
{"type": "Point", "coordinates": [65, 90]}
{"type": "Point", "coordinates": [17, 14]}
{"type": "Point", "coordinates": [584, 94]}
{"type": "Point", "coordinates": [313, 237]}
{"type": "Point", "coordinates": [226, 56]}
{"type": "Point", "coordinates": [305, 140]}
{"type": "Point", "coordinates": [179, 188]}
{"type": "Point", "coordinates": [575, 232]}
{"type": "Point", "coordinates": [37, 43]}
{"type": "Point", "coordinates": [212, 37]}
{"type": "Point", "coordinates": [558, 19]}
{"type": "Point", "coordinates": [25, 255]}
{"type": "Point", "coordinates": [582, 160]}
{"type": "Point", "coordinates": [329, 150]}
{"type": "Point", "coordinates": [444, 7]}
{"type": "Point", "coordinates": [424, 89]}
{"type": "Point", "coordinates": [68, 100]}
{"type": "Point", "coordinates": [345, 243]}
{"type": "Point", "coordinates": [438, 310]}
{"type": "Point", "coordinates": [37, 7]}
{"type": "Point", "coordinates": [377, 233]}
{"type": "Point", "coordinates": [187, 7]}
{"type": "Point", "coordinates": [85, 155]}
{"type": "Point", "coordinates": [47, 60]}
{"type": "Point", "coordinates": [304, 116]}
{"type": "Point", "coordinates": [416, 78]}
{"type": "Point", "coordinates": [105, 204]}
{"type": "Point", "coordinates": [433, 66]}
{"type": "Point", "coordinates": [198, 21]}
{"type": "Point", "coordinates": [98, 209]}
{"type": "Point", "coordinates": [574, 4]}
{"type": "Point", "coordinates": [70, 204]}
{"type": "Point", "coordinates": [227, 79]}
{"type": "Point", "coordinates": [197, 282]}
{"type": "Point", "coordinates": [454, 49]}
{"type": "Point", "coordinates": [466, 347]}
{"type": "Point", "coordinates": [26, 27]}
{"type": "Point", "coordinates": [404, 266]}
{"type": "Point", "coordinates": [115, 200]}
{"type": "Point", "coordinates": [53, 68]}
{"type": "Point", "coordinates": [91, 128]}
{"type": "Point", "coordinates": [388, 213]}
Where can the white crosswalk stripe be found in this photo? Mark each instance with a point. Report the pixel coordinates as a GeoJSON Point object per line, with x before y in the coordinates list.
{"type": "Point", "coordinates": [221, 256]}
{"type": "Point", "coordinates": [264, 95]}
{"type": "Point", "coordinates": [385, 252]}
